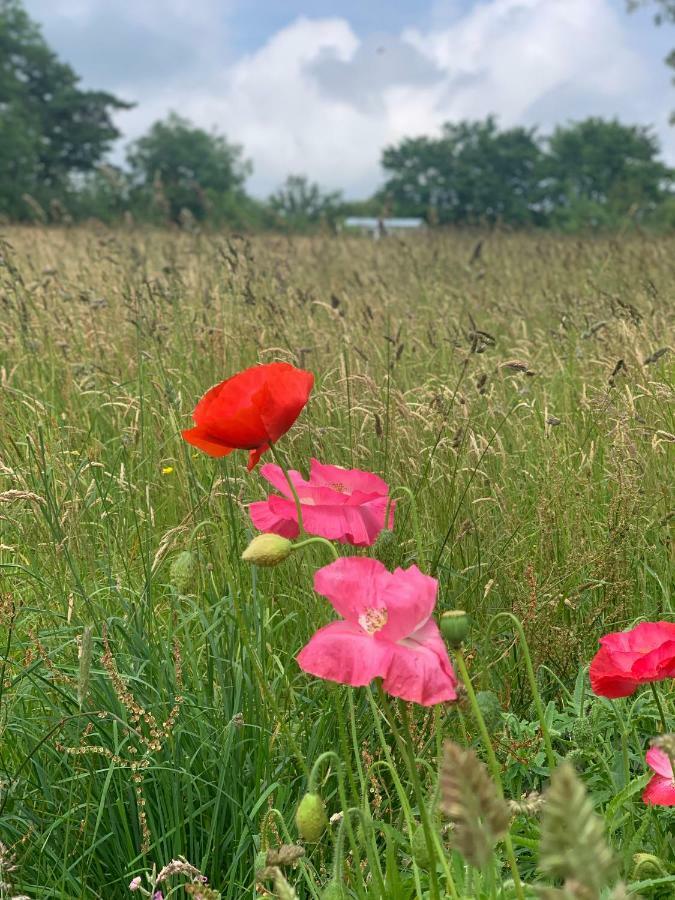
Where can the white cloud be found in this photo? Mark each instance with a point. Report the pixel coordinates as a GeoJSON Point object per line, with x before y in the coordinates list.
{"type": "Point", "coordinates": [319, 99]}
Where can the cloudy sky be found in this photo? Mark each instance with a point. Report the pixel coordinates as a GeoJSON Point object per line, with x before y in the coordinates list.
{"type": "Point", "coordinates": [320, 86]}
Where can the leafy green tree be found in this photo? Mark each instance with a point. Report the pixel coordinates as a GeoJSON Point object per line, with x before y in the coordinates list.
{"type": "Point", "coordinates": [301, 204]}
{"type": "Point", "coordinates": [177, 167]}
{"type": "Point", "coordinates": [598, 171]}
{"type": "Point", "coordinates": [50, 128]}
{"type": "Point", "coordinates": [473, 173]}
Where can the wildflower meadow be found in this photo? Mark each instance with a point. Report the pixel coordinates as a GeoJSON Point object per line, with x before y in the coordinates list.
{"type": "Point", "coordinates": [336, 568]}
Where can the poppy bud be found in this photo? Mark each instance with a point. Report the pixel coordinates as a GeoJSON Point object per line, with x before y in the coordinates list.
{"type": "Point", "coordinates": [648, 866]}
{"type": "Point", "coordinates": [385, 546]}
{"type": "Point", "coordinates": [267, 550]}
{"type": "Point", "coordinates": [334, 890]}
{"type": "Point", "coordinates": [455, 626]}
{"type": "Point", "coordinates": [419, 848]}
{"type": "Point", "coordinates": [310, 818]}
{"type": "Point", "coordinates": [490, 708]}
{"type": "Point", "coordinates": [183, 571]}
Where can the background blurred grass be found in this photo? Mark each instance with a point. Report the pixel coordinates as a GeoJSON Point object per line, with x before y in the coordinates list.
{"type": "Point", "coordinates": [516, 383]}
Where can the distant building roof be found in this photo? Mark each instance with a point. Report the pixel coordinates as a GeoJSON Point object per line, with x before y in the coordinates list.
{"type": "Point", "coordinates": [373, 224]}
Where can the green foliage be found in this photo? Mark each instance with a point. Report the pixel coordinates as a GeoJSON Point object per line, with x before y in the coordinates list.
{"type": "Point", "coordinates": [50, 127]}
{"type": "Point", "coordinates": [599, 172]}
{"type": "Point", "coordinates": [473, 173]}
{"type": "Point", "coordinates": [301, 204]}
{"type": "Point", "coordinates": [176, 167]}
{"type": "Point", "coordinates": [587, 174]}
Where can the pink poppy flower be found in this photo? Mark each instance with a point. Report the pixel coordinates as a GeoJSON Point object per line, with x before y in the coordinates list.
{"type": "Point", "coordinates": [387, 632]}
{"type": "Point", "coordinates": [345, 505]}
{"type": "Point", "coordinates": [627, 659]}
{"type": "Point", "coordinates": [661, 789]}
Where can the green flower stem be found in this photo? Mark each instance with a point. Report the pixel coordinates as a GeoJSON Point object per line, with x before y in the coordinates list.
{"type": "Point", "coordinates": [312, 787]}
{"type": "Point", "coordinates": [316, 540]}
{"type": "Point", "coordinates": [492, 762]}
{"type": "Point", "coordinates": [405, 744]}
{"type": "Point", "coordinates": [298, 505]}
{"type": "Point", "coordinates": [539, 706]}
{"type": "Point", "coordinates": [659, 706]}
{"type": "Point", "coordinates": [407, 811]}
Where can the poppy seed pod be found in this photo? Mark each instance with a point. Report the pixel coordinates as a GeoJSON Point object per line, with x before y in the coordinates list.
{"type": "Point", "coordinates": [419, 848]}
{"type": "Point", "coordinates": [334, 890]}
{"type": "Point", "coordinates": [455, 625]}
{"type": "Point", "coordinates": [183, 571]}
{"type": "Point", "coordinates": [267, 550]}
{"type": "Point", "coordinates": [310, 818]}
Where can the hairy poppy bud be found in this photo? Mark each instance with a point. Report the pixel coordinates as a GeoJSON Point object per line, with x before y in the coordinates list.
{"type": "Point", "coordinates": [490, 708]}
{"type": "Point", "coordinates": [455, 626]}
{"type": "Point", "coordinates": [310, 818]}
{"type": "Point", "coordinates": [334, 890]}
{"type": "Point", "coordinates": [384, 548]}
{"type": "Point", "coordinates": [419, 848]}
{"type": "Point", "coordinates": [183, 571]}
{"type": "Point", "coordinates": [267, 550]}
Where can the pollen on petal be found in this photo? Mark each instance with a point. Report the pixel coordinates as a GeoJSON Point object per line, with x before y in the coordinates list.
{"type": "Point", "coordinates": [373, 620]}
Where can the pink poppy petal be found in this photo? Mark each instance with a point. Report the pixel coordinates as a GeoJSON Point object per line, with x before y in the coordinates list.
{"type": "Point", "coordinates": [274, 474]}
{"type": "Point", "coordinates": [344, 653]}
{"type": "Point", "coordinates": [353, 585]}
{"type": "Point", "coordinates": [265, 519]}
{"type": "Point", "coordinates": [660, 792]}
{"type": "Point", "coordinates": [659, 761]}
{"type": "Point", "coordinates": [410, 597]}
{"type": "Point", "coordinates": [350, 479]}
{"type": "Point", "coordinates": [420, 670]}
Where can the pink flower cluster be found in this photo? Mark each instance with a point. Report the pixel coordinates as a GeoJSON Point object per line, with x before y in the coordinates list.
{"type": "Point", "coordinates": [386, 630]}
{"type": "Point", "coordinates": [626, 660]}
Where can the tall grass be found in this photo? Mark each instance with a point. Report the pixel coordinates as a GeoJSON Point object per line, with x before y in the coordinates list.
{"type": "Point", "coordinates": [518, 393]}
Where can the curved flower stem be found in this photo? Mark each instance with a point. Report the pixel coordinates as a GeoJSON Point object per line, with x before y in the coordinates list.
{"type": "Point", "coordinates": [550, 755]}
{"type": "Point", "coordinates": [296, 498]}
{"type": "Point", "coordinates": [415, 520]}
{"type": "Point", "coordinates": [407, 811]}
{"type": "Point", "coordinates": [342, 793]}
{"type": "Point", "coordinates": [281, 824]}
{"type": "Point", "coordinates": [317, 540]}
{"type": "Point", "coordinates": [407, 749]}
{"type": "Point", "coordinates": [492, 763]}
{"type": "Point", "coordinates": [659, 706]}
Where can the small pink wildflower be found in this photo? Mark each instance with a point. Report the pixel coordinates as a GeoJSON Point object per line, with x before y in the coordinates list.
{"type": "Point", "coordinates": [661, 789]}
{"type": "Point", "coordinates": [387, 632]}
{"type": "Point", "coordinates": [346, 505]}
{"type": "Point", "coordinates": [135, 883]}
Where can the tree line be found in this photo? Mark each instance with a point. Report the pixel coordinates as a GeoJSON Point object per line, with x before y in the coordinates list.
{"type": "Point", "coordinates": [55, 136]}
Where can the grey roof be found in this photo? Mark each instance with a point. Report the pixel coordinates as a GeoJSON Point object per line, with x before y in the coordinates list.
{"type": "Point", "coordinates": [372, 223]}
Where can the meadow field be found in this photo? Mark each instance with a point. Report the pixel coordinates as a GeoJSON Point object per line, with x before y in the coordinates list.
{"type": "Point", "coordinates": [516, 394]}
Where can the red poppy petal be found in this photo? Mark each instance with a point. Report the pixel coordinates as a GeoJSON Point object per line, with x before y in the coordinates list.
{"type": "Point", "coordinates": [285, 395]}
{"type": "Point", "coordinates": [206, 442]}
{"type": "Point", "coordinates": [254, 456]}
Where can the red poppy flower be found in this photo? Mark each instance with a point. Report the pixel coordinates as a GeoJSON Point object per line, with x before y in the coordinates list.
{"type": "Point", "coordinates": [627, 659]}
{"type": "Point", "coordinates": [250, 410]}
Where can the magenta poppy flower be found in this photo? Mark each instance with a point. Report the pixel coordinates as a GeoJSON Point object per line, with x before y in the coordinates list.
{"type": "Point", "coordinates": [386, 632]}
{"type": "Point", "coordinates": [345, 505]}
{"type": "Point", "coordinates": [627, 659]}
{"type": "Point", "coordinates": [661, 789]}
